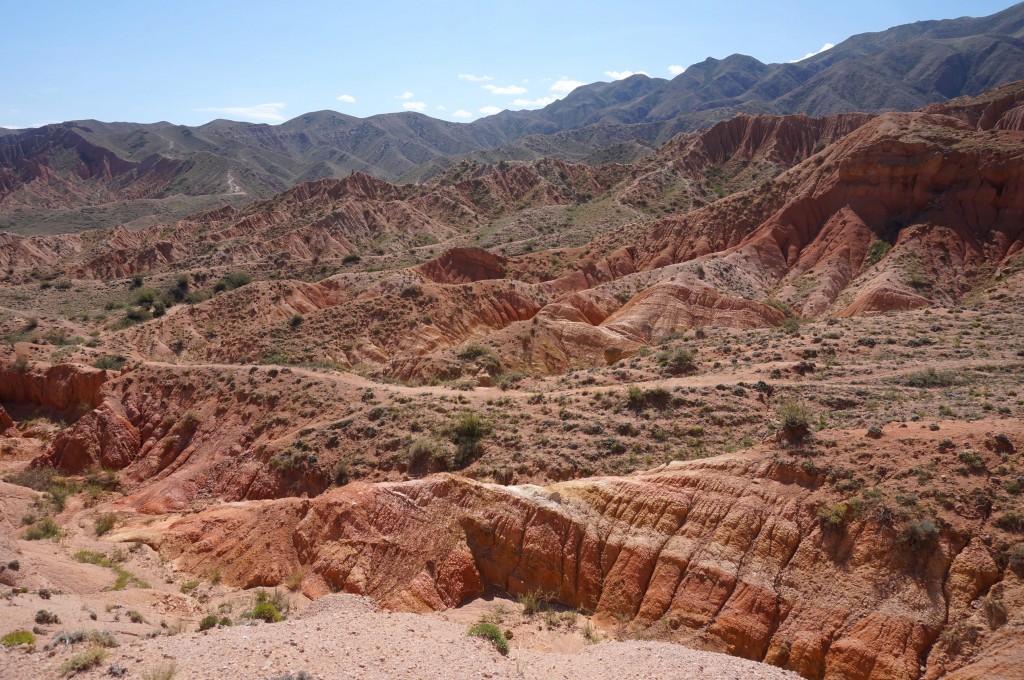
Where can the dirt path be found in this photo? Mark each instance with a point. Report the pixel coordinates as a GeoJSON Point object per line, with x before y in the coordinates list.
{"type": "Point", "coordinates": [748, 374]}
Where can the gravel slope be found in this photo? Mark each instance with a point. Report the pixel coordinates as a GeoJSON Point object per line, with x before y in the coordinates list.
{"type": "Point", "coordinates": [342, 636]}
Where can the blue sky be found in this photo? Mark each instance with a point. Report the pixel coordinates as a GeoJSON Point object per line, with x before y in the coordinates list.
{"type": "Point", "coordinates": [190, 62]}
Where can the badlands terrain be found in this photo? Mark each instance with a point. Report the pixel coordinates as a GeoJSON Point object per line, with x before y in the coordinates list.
{"type": "Point", "coordinates": [748, 406]}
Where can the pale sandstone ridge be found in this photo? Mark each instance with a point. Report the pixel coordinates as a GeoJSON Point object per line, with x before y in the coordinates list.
{"type": "Point", "coordinates": [727, 553]}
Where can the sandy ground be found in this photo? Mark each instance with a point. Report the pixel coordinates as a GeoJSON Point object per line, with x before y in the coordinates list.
{"type": "Point", "coordinates": [343, 636]}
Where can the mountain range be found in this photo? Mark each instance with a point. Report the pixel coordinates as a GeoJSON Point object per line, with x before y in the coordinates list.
{"type": "Point", "coordinates": [87, 173]}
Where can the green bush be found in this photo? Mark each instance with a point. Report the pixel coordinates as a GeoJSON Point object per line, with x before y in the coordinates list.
{"type": "Point", "coordinates": [639, 399]}
{"type": "Point", "coordinates": [83, 661]}
{"type": "Point", "coordinates": [110, 363]}
{"type": "Point", "coordinates": [491, 632]}
{"type": "Point", "coordinates": [266, 611]}
{"type": "Point", "coordinates": [427, 455]}
{"type": "Point", "coordinates": [18, 637]}
{"type": "Point", "coordinates": [45, 528]}
{"type": "Point", "coordinates": [679, 362]}
{"type": "Point", "coordinates": [271, 606]}
{"type": "Point", "coordinates": [878, 250]}
{"type": "Point", "coordinates": [1011, 521]}
{"type": "Point", "coordinates": [232, 281]}
{"type": "Point", "coordinates": [466, 432]}
{"type": "Point", "coordinates": [928, 378]}
{"type": "Point", "coordinates": [209, 621]}
{"type": "Point", "coordinates": [833, 516]}
{"type": "Point", "coordinates": [794, 419]}
{"type": "Point", "coordinates": [104, 522]}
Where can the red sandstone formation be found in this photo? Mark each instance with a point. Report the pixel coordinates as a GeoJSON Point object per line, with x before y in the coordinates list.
{"type": "Point", "coordinates": [729, 552]}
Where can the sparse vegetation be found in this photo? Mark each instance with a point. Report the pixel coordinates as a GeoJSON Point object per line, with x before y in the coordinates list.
{"type": "Point", "coordinates": [491, 632]}
{"type": "Point", "coordinates": [83, 661]}
{"type": "Point", "coordinates": [104, 522]}
{"type": "Point", "coordinates": [794, 420]}
{"type": "Point", "coordinates": [124, 577]}
{"type": "Point", "coordinates": [18, 637]}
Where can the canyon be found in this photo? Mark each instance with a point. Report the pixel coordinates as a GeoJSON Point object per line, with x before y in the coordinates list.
{"type": "Point", "coordinates": [755, 394]}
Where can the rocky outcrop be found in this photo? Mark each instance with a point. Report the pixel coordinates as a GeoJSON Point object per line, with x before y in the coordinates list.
{"type": "Point", "coordinates": [104, 437]}
{"type": "Point", "coordinates": [61, 387]}
{"type": "Point", "coordinates": [999, 109]}
{"type": "Point", "coordinates": [6, 422]}
{"type": "Point", "coordinates": [464, 265]}
{"type": "Point", "coordinates": [727, 554]}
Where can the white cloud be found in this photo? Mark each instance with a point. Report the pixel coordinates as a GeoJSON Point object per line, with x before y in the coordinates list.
{"type": "Point", "coordinates": [270, 111]}
{"type": "Point", "coordinates": [619, 75]}
{"type": "Point", "coordinates": [474, 79]}
{"type": "Point", "coordinates": [489, 110]}
{"type": "Point", "coordinates": [347, 98]}
{"type": "Point", "coordinates": [462, 113]}
{"type": "Point", "coordinates": [30, 125]}
{"type": "Point", "coordinates": [565, 85]}
{"type": "Point", "coordinates": [508, 89]}
{"type": "Point", "coordinates": [414, 106]}
{"type": "Point", "coordinates": [533, 103]}
{"type": "Point", "coordinates": [441, 107]}
{"type": "Point", "coordinates": [825, 48]}
{"type": "Point", "coordinates": [676, 69]}
{"type": "Point", "coordinates": [405, 95]}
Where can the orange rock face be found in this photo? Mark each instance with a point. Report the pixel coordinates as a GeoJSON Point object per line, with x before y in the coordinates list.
{"type": "Point", "coordinates": [728, 553]}
{"type": "Point", "coordinates": [61, 387]}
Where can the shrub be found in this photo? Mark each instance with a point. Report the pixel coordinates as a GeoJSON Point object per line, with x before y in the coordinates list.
{"type": "Point", "coordinates": [295, 321]}
{"type": "Point", "coordinates": [232, 281]}
{"type": "Point", "coordinates": [427, 455]}
{"type": "Point", "coordinates": [270, 607]}
{"type": "Point", "coordinates": [100, 638]}
{"type": "Point", "coordinates": [972, 461]}
{"type": "Point", "coordinates": [928, 378]}
{"type": "Point", "coordinates": [1016, 556]}
{"type": "Point", "coordinates": [267, 612]}
{"type": "Point", "coordinates": [531, 602]}
{"type": "Point", "coordinates": [487, 359]}
{"type": "Point", "coordinates": [919, 535]}
{"type": "Point", "coordinates": [638, 399]}
{"type": "Point", "coordinates": [83, 661]}
{"type": "Point", "coordinates": [44, 617]}
{"type": "Point", "coordinates": [104, 522]}
{"type": "Point", "coordinates": [137, 281]}
{"type": "Point", "coordinates": [679, 362]}
{"type": "Point", "coordinates": [340, 473]}
{"type": "Point", "coordinates": [491, 632]}
{"type": "Point", "coordinates": [412, 291]}
{"type": "Point", "coordinates": [877, 250]}
{"type": "Point", "coordinates": [875, 432]}
{"type": "Point", "coordinates": [791, 326]}
{"type": "Point", "coordinates": [466, 432]}
{"type": "Point", "coordinates": [111, 363]}
{"type": "Point", "coordinates": [45, 528]}
{"type": "Point", "coordinates": [1011, 521]}
{"type": "Point", "coordinates": [794, 419]}
{"type": "Point", "coordinates": [18, 637]}
{"type": "Point", "coordinates": [164, 671]}
{"type": "Point", "coordinates": [209, 621]}
{"type": "Point", "coordinates": [833, 516]}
